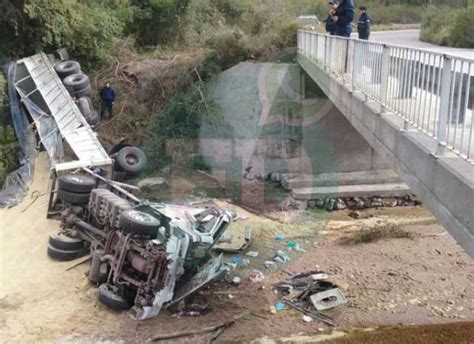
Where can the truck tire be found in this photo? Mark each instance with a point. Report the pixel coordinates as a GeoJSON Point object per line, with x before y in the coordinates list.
{"type": "Point", "coordinates": [64, 242]}
{"type": "Point", "coordinates": [131, 160]}
{"type": "Point", "coordinates": [66, 68]}
{"type": "Point", "coordinates": [72, 197]}
{"type": "Point", "coordinates": [77, 183]}
{"type": "Point", "coordinates": [85, 105]}
{"type": "Point", "coordinates": [138, 222]}
{"type": "Point", "coordinates": [76, 82]}
{"type": "Point", "coordinates": [93, 118]}
{"type": "Point", "coordinates": [64, 255]}
{"type": "Point", "coordinates": [83, 92]}
{"type": "Point", "coordinates": [111, 299]}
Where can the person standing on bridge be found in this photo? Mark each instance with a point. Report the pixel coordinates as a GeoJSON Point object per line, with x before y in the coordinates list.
{"type": "Point", "coordinates": [330, 24]}
{"type": "Point", "coordinates": [363, 26]}
{"type": "Point", "coordinates": [343, 18]}
{"type": "Point", "coordinates": [107, 97]}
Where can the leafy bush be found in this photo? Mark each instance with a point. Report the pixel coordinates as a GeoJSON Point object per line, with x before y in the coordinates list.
{"type": "Point", "coordinates": [448, 26]}
{"type": "Point", "coordinates": [233, 9]}
{"type": "Point", "coordinates": [155, 21]}
{"type": "Point", "coordinates": [86, 28]}
{"type": "Point", "coordinates": [462, 29]}
{"type": "Point", "coordinates": [8, 152]}
{"type": "Point", "coordinates": [403, 14]}
{"type": "Point", "coordinates": [180, 119]}
{"type": "Point", "coordinates": [230, 47]}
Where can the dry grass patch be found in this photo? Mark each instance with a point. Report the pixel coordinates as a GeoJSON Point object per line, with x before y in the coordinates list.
{"type": "Point", "coordinates": [390, 231]}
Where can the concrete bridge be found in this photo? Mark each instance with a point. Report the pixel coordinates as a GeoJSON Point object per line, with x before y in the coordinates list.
{"type": "Point", "coordinates": [414, 106]}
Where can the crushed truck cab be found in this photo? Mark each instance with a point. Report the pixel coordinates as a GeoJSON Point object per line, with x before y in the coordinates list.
{"type": "Point", "coordinates": [145, 256]}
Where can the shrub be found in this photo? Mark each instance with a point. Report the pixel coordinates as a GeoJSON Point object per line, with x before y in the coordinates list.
{"type": "Point", "coordinates": [461, 33]}
{"type": "Point", "coordinates": [180, 119]}
{"type": "Point", "coordinates": [447, 26]}
{"type": "Point", "coordinates": [8, 152]}
{"type": "Point", "coordinates": [86, 28]}
{"type": "Point", "coordinates": [230, 47]}
{"type": "Point", "coordinates": [435, 25]}
{"type": "Point", "coordinates": [155, 21]}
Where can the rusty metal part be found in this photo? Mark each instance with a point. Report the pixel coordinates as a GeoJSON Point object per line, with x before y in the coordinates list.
{"type": "Point", "coordinates": [94, 271]}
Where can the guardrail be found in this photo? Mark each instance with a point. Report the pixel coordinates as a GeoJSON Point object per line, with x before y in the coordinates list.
{"type": "Point", "coordinates": [431, 91]}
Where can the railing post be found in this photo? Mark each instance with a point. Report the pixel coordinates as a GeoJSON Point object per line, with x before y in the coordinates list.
{"type": "Point", "coordinates": [354, 67]}
{"type": "Point", "coordinates": [385, 75]}
{"type": "Point", "coordinates": [325, 51]}
{"type": "Point", "coordinates": [298, 41]}
{"type": "Point", "coordinates": [314, 39]}
{"type": "Point", "coordinates": [444, 101]}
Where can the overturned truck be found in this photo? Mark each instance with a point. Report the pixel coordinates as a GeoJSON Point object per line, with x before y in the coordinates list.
{"type": "Point", "coordinates": [144, 256]}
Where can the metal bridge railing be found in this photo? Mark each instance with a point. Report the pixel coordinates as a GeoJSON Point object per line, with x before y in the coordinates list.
{"type": "Point", "coordinates": [431, 91]}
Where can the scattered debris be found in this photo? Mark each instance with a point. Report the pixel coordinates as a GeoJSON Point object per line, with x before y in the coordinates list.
{"type": "Point", "coordinates": [319, 276]}
{"type": "Point", "coordinates": [279, 237]}
{"type": "Point", "coordinates": [307, 318]}
{"type": "Point", "coordinates": [279, 306]}
{"type": "Point", "coordinates": [218, 329]}
{"type": "Point", "coordinates": [252, 254]}
{"type": "Point", "coordinates": [79, 262]}
{"type": "Point", "coordinates": [328, 299]}
{"type": "Point", "coordinates": [256, 276]}
{"type": "Point", "coordinates": [309, 293]}
{"type": "Point", "coordinates": [315, 315]}
{"type": "Point", "coordinates": [239, 261]}
{"type": "Point", "coordinates": [281, 257]}
{"type": "Point", "coordinates": [268, 264]}
{"type": "Point", "coordinates": [234, 246]}
{"type": "Point", "coordinates": [236, 280]}
{"type": "Point", "coordinates": [293, 244]}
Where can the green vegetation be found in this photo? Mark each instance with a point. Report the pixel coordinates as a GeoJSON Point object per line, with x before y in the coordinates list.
{"type": "Point", "coordinates": [86, 28]}
{"type": "Point", "coordinates": [178, 126]}
{"type": "Point", "coordinates": [449, 26]}
{"type": "Point", "coordinates": [185, 35]}
{"type": "Point", "coordinates": [8, 152]}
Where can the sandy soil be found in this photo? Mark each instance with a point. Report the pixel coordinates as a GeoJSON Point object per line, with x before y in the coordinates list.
{"type": "Point", "coordinates": [425, 279]}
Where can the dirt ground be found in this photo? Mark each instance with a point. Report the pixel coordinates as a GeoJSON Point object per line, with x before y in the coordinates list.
{"type": "Point", "coordinates": [421, 278]}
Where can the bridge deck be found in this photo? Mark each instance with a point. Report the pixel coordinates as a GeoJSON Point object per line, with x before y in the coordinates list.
{"type": "Point", "coordinates": [413, 106]}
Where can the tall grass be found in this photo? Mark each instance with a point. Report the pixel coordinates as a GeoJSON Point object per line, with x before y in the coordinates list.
{"type": "Point", "coordinates": [449, 26]}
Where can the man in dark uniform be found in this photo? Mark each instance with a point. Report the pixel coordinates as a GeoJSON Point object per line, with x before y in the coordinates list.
{"type": "Point", "coordinates": [107, 97]}
{"type": "Point", "coordinates": [343, 18]}
{"type": "Point", "coordinates": [330, 24]}
{"type": "Point", "coordinates": [363, 26]}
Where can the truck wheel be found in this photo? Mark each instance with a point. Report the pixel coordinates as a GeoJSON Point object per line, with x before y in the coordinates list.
{"type": "Point", "coordinates": [64, 242]}
{"type": "Point", "coordinates": [85, 105]}
{"type": "Point", "coordinates": [66, 68]}
{"type": "Point", "coordinates": [77, 183]}
{"type": "Point", "coordinates": [76, 82]}
{"type": "Point", "coordinates": [138, 222]}
{"type": "Point", "coordinates": [131, 160]}
{"type": "Point", "coordinates": [93, 118]}
{"type": "Point", "coordinates": [83, 92]}
{"type": "Point", "coordinates": [72, 197]}
{"type": "Point", "coordinates": [64, 255]}
{"type": "Point", "coordinates": [111, 299]}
